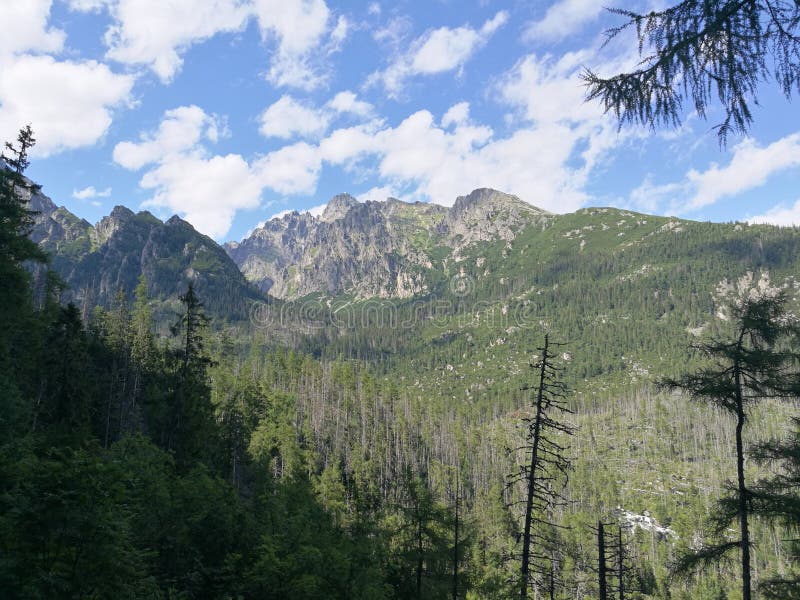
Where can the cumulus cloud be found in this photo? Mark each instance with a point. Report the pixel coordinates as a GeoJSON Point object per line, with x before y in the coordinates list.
{"type": "Point", "coordinates": [207, 189]}
{"type": "Point", "coordinates": [291, 170]}
{"type": "Point", "coordinates": [70, 104]}
{"type": "Point", "coordinates": [546, 159]}
{"type": "Point", "coordinates": [155, 33]}
{"type": "Point", "coordinates": [180, 131]}
{"type": "Point", "coordinates": [562, 19]}
{"type": "Point", "coordinates": [25, 29]}
{"type": "Point", "coordinates": [288, 117]}
{"type": "Point", "coordinates": [750, 166]}
{"type": "Point", "coordinates": [456, 114]}
{"type": "Point", "coordinates": [348, 102]}
{"type": "Point", "coordinates": [299, 27]}
{"type": "Point", "coordinates": [437, 51]}
{"type": "Point", "coordinates": [90, 192]}
{"type": "Point", "coordinates": [780, 215]}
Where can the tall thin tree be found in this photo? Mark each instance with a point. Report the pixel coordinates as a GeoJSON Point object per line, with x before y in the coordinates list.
{"type": "Point", "coordinates": [545, 469]}
{"type": "Point", "coordinates": [750, 366]}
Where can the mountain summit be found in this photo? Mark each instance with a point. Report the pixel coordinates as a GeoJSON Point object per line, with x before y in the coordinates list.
{"type": "Point", "coordinates": [384, 249]}
{"type": "Point", "coordinates": [96, 261]}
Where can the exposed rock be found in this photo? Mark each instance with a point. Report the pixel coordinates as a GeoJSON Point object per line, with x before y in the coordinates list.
{"type": "Point", "coordinates": [374, 249]}
{"type": "Point", "coordinates": [96, 261]}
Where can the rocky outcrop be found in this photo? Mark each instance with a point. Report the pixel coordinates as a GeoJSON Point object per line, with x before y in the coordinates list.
{"type": "Point", "coordinates": [374, 249]}
{"type": "Point", "coordinates": [96, 261]}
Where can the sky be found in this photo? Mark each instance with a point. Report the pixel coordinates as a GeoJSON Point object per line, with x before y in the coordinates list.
{"type": "Point", "coordinates": [228, 112]}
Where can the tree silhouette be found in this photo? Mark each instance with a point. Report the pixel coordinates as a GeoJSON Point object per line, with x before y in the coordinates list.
{"type": "Point", "coordinates": [702, 51]}
{"type": "Point", "coordinates": [545, 469]}
{"type": "Point", "coordinates": [750, 366]}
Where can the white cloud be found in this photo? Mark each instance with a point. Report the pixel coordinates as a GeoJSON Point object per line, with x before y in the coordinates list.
{"type": "Point", "coordinates": [339, 33]}
{"type": "Point", "coordinates": [456, 114]}
{"type": "Point", "coordinates": [379, 193]}
{"type": "Point", "coordinates": [90, 192]}
{"type": "Point", "coordinates": [437, 164]}
{"type": "Point", "coordinates": [652, 198]}
{"type": "Point", "coordinates": [300, 27]}
{"type": "Point", "coordinates": [437, 51]}
{"type": "Point", "coordinates": [154, 33]}
{"type": "Point", "coordinates": [750, 167]}
{"type": "Point", "coordinates": [291, 170]}
{"type": "Point", "coordinates": [88, 5]}
{"type": "Point", "coordinates": [547, 159]}
{"type": "Point", "coordinates": [780, 215]}
{"type": "Point", "coordinates": [181, 129]}
{"type": "Point", "coordinates": [314, 211]}
{"type": "Point", "coordinates": [347, 102]}
{"type": "Point", "coordinates": [25, 28]}
{"type": "Point", "coordinates": [69, 104]}
{"type": "Point", "coordinates": [288, 117]}
{"type": "Point", "coordinates": [207, 189]}
{"type": "Point", "coordinates": [563, 19]}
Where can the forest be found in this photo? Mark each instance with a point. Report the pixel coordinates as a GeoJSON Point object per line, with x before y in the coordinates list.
{"type": "Point", "coordinates": [144, 456]}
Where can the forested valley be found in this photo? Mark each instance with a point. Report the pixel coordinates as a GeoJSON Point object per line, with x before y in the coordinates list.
{"type": "Point", "coordinates": [148, 450]}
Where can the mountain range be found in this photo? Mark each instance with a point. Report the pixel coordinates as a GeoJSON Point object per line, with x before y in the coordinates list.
{"type": "Point", "coordinates": [487, 247]}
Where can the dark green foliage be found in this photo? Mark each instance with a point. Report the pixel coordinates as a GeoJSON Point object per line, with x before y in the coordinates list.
{"type": "Point", "coordinates": [700, 51]}
{"type": "Point", "coordinates": [217, 463]}
{"type": "Point", "coordinates": [748, 367]}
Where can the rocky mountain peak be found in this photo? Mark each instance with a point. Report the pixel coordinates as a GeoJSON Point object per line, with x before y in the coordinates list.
{"type": "Point", "coordinates": [486, 214]}
{"type": "Point", "coordinates": [486, 201]}
{"type": "Point", "coordinates": [384, 249]}
{"type": "Point", "coordinates": [338, 207]}
{"type": "Point", "coordinates": [110, 224]}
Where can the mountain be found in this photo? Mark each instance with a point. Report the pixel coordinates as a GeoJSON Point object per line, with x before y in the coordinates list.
{"type": "Point", "coordinates": [390, 249]}
{"type": "Point", "coordinates": [97, 260]}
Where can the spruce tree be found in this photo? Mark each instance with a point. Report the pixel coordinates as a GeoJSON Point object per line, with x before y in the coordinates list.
{"type": "Point", "coordinates": [748, 366]}
{"type": "Point", "coordinates": [191, 430]}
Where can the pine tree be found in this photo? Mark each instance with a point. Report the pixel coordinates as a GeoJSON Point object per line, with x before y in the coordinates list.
{"type": "Point", "coordinates": [17, 319]}
{"type": "Point", "coordinates": [700, 51]}
{"type": "Point", "coordinates": [750, 366]}
{"type": "Point", "coordinates": [777, 499]}
{"type": "Point", "coordinates": [191, 429]}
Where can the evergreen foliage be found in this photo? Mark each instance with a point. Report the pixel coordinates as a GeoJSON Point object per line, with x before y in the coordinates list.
{"type": "Point", "coordinates": [700, 51]}
{"type": "Point", "coordinates": [222, 462]}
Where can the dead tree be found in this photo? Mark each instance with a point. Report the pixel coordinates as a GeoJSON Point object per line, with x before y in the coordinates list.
{"type": "Point", "coordinates": [543, 475]}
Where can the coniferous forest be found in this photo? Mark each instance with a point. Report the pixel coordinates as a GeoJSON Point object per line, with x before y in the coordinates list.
{"type": "Point", "coordinates": [173, 456]}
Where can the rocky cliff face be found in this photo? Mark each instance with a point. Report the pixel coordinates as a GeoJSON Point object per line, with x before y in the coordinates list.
{"type": "Point", "coordinates": [97, 260]}
{"type": "Point", "coordinates": [383, 249]}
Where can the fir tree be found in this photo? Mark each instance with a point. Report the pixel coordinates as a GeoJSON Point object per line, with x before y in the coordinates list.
{"type": "Point", "coordinates": [699, 51]}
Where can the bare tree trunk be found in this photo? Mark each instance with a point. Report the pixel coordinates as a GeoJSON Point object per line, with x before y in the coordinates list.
{"type": "Point", "coordinates": [537, 423]}
{"type": "Point", "coordinates": [455, 549]}
{"type": "Point", "coordinates": [621, 564]}
{"type": "Point", "coordinates": [743, 493]}
{"type": "Point", "coordinates": [601, 561]}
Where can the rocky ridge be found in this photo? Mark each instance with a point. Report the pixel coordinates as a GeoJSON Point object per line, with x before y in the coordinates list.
{"type": "Point", "coordinates": [375, 249]}
{"type": "Point", "coordinates": [96, 261]}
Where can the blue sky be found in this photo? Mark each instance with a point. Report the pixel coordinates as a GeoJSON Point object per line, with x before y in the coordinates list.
{"type": "Point", "coordinates": [228, 112]}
